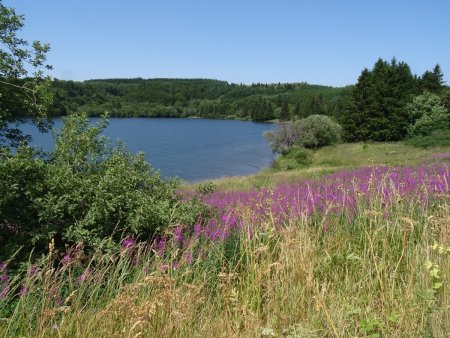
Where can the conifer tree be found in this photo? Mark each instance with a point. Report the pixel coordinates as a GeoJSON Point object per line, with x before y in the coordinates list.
{"type": "Point", "coordinates": [376, 108]}
{"type": "Point", "coordinates": [284, 113]}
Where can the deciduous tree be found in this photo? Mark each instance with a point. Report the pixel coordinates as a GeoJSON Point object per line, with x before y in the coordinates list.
{"type": "Point", "coordinates": [24, 86]}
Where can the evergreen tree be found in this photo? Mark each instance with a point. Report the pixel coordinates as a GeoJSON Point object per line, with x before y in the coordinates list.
{"type": "Point", "coordinates": [297, 110]}
{"type": "Point", "coordinates": [376, 108]}
{"type": "Point", "coordinates": [356, 115]}
{"type": "Point", "coordinates": [432, 81]}
{"type": "Point", "coordinates": [284, 113]}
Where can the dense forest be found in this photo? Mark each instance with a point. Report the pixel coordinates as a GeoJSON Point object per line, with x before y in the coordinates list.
{"type": "Point", "coordinates": [379, 107]}
{"type": "Point", "coordinates": [196, 98]}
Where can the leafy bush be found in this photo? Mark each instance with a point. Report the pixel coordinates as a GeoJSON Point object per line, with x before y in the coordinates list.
{"type": "Point", "coordinates": [435, 139]}
{"type": "Point", "coordinates": [293, 158]}
{"type": "Point", "coordinates": [427, 114]}
{"type": "Point", "coordinates": [312, 132]}
{"type": "Point", "coordinates": [86, 190]}
{"type": "Point", "coordinates": [319, 131]}
{"type": "Point", "coordinates": [301, 155]}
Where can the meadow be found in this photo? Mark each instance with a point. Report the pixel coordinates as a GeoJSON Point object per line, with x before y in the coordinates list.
{"type": "Point", "coordinates": [355, 245]}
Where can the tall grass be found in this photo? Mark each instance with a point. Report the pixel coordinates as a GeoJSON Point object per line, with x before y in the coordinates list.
{"type": "Point", "coordinates": [334, 158]}
{"type": "Point", "coordinates": [379, 268]}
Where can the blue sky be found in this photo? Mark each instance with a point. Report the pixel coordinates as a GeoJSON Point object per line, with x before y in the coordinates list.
{"type": "Point", "coordinates": [320, 42]}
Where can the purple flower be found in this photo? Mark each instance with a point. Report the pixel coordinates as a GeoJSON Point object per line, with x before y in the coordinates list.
{"type": "Point", "coordinates": [128, 243]}
{"type": "Point", "coordinates": [4, 278]}
{"type": "Point", "coordinates": [23, 290]}
{"type": "Point", "coordinates": [4, 292]}
{"type": "Point", "coordinates": [197, 229]}
{"type": "Point", "coordinates": [33, 271]}
{"type": "Point", "coordinates": [178, 233]}
{"type": "Point", "coordinates": [66, 259]}
{"type": "Point", "coordinates": [3, 266]}
{"type": "Point", "coordinates": [85, 275]}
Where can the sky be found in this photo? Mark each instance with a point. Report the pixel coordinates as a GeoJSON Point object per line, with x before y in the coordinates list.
{"type": "Point", "coordinates": [240, 41]}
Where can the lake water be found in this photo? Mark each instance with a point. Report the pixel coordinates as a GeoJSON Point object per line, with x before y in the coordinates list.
{"type": "Point", "coordinates": [192, 149]}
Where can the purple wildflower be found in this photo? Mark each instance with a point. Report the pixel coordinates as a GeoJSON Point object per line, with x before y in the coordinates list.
{"type": "Point", "coordinates": [84, 276]}
{"type": "Point", "coordinates": [33, 271]}
{"type": "Point", "coordinates": [178, 233]}
{"type": "Point", "coordinates": [4, 292]}
{"type": "Point", "coordinates": [66, 259]}
{"type": "Point", "coordinates": [197, 229]}
{"type": "Point", "coordinates": [128, 243]}
{"type": "Point", "coordinates": [4, 278]}
{"type": "Point", "coordinates": [23, 290]}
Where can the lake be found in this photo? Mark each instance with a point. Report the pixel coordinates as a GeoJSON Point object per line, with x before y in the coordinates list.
{"type": "Point", "coordinates": [192, 149]}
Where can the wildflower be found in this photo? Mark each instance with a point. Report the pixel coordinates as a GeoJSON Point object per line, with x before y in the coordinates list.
{"type": "Point", "coordinates": [4, 278]}
{"type": "Point", "coordinates": [128, 243]}
{"type": "Point", "coordinates": [33, 271]}
{"type": "Point", "coordinates": [23, 290]}
{"type": "Point", "coordinates": [178, 233]}
{"type": "Point", "coordinates": [197, 229]}
{"type": "Point", "coordinates": [85, 275]}
{"type": "Point", "coordinates": [66, 259]}
{"type": "Point", "coordinates": [4, 292]}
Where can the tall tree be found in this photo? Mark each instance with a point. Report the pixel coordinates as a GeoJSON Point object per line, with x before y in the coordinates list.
{"type": "Point", "coordinates": [23, 93]}
{"type": "Point", "coordinates": [354, 118]}
{"type": "Point", "coordinates": [284, 112]}
{"type": "Point", "coordinates": [432, 81]}
{"type": "Point", "coordinates": [376, 108]}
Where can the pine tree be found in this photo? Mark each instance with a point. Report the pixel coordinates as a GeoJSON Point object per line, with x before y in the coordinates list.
{"type": "Point", "coordinates": [432, 81]}
{"type": "Point", "coordinates": [376, 109]}
{"type": "Point", "coordinates": [284, 113]}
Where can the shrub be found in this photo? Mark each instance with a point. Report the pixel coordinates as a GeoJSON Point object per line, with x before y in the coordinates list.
{"type": "Point", "coordinates": [319, 131]}
{"type": "Point", "coordinates": [86, 190]}
{"type": "Point", "coordinates": [302, 156]}
{"type": "Point", "coordinates": [427, 114]}
{"type": "Point", "coordinates": [435, 139]}
{"type": "Point", "coordinates": [312, 132]}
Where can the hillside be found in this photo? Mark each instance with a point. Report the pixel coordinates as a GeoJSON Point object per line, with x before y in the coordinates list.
{"type": "Point", "coordinates": [195, 97]}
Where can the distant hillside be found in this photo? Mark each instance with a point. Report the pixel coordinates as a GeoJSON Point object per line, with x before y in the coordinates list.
{"type": "Point", "coordinates": [195, 97]}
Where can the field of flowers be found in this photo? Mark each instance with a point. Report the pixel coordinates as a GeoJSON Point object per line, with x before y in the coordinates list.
{"type": "Point", "coordinates": [363, 252]}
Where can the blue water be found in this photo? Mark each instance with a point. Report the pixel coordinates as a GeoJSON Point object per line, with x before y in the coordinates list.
{"type": "Point", "coordinates": [192, 149]}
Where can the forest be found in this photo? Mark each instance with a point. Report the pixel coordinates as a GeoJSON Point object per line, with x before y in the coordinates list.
{"type": "Point", "coordinates": [195, 98]}
{"type": "Point", "coordinates": [379, 107]}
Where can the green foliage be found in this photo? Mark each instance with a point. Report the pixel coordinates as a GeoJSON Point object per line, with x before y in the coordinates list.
{"type": "Point", "coordinates": [295, 157]}
{"type": "Point", "coordinates": [312, 132]}
{"type": "Point", "coordinates": [24, 89]}
{"type": "Point", "coordinates": [432, 81]}
{"type": "Point", "coordinates": [377, 108]}
{"type": "Point", "coordinates": [205, 188]}
{"type": "Point", "coordinates": [427, 114]}
{"type": "Point", "coordinates": [195, 97]}
{"type": "Point", "coordinates": [319, 131]}
{"type": "Point", "coordinates": [446, 100]}
{"type": "Point", "coordinates": [437, 138]}
{"type": "Point", "coordinates": [85, 191]}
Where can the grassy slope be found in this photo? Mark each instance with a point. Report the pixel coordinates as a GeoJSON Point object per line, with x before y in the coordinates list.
{"type": "Point", "coordinates": [376, 276]}
{"type": "Point", "coordinates": [339, 157]}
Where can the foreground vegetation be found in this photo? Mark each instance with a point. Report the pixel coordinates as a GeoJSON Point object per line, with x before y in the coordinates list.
{"type": "Point", "coordinates": [356, 253]}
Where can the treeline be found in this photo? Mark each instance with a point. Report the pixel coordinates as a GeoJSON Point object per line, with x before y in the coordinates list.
{"type": "Point", "coordinates": [196, 97]}
{"type": "Point", "coordinates": [384, 105]}
{"type": "Point", "coordinates": [389, 103]}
